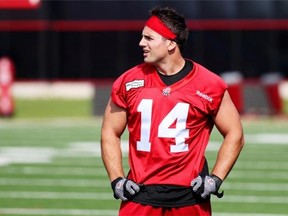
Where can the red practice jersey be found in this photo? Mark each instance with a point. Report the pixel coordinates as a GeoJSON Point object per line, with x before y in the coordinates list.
{"type": "Point", "coordinates": [169, 126]}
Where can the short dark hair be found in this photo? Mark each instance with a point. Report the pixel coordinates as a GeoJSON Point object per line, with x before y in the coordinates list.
{"type": "Point", "coordinates": [175, 22]}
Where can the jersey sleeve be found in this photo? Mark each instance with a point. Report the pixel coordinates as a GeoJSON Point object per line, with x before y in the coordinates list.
{"type": "Point", "coordinates": [217, 93]}
{"type": "Point", "coordinates": [210, 88]}
{"type": "Point", "coordinates": [127, 82]}
{"type": "Point", "coordinates": [118, 92]}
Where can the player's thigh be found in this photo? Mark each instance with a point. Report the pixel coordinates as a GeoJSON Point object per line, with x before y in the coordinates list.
{"type": "Point", "coordinates": [203, 209]}
{"type": "Point", "coordinates": [132, 209]}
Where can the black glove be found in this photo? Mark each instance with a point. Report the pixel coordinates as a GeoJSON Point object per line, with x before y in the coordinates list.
{"type": "Point", "coordinates": [124, 189]}
{"type": "Point", "coordinates": [207, 185]}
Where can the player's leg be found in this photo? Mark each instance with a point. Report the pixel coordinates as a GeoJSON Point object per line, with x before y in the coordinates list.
{"type": "Point", "coordinates": [132, 209]}
{"type": "Point", "coordinates": [203, 209]}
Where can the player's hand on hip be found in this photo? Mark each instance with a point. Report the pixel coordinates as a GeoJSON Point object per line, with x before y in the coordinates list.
{"type": "Point", "coordinates": [207, 185]}
{"type": "Point", "coordinates": [124, 189]}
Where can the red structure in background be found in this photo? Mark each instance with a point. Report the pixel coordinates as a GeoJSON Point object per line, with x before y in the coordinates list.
{"type": "Point", "coordinates": [270, 82]}
{"type": "Point", "coordinates": [276, 103]}
{"type": "Point", "coordinates": [256, 96]}
{"type": "Point", "coordinates": [19, 4]}
{"type": "Point", "coordinates": [234, 81]}
{"type": "Point", "coordinates": [7, 72]}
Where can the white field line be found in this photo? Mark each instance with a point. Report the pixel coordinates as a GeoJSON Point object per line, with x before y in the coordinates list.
{"type": "Point", "coordinates": [270, 138]}
{"type": "Point", "coordinates": [55, 182]}
{"type": "Point", "coordinates": [255, 186]}
{"type": "Point", "coordinates": [109, 196]}
{"type": "Point", "coordinates": [105, 183]}
{"type": "Point", "coordinates": [97, 212]}
{"type": "Point", "coordinates": [77, 171]}
{"type": "Point", "coordinates": [95, 162]}
{"type": "Point", "coordinates": [28, 154]}
{"type": "Point", "coordinates": [55, 195]}
{"type": "Point", "coordinates": [46, 90]}
{"type": "Point", "coordinates": [241, 164]}
{"type": "Point", "coordinates": [262, 165]}
{"type": "Point", "coordinates": [80, 171]}
{"type": "Point", "coordinates": [247, 165]}
{"type": "Point", "coordinates": [247, 174]}
{"type": "Point", "coordinates": [39, 124]}
{"type": "Point", "coordinates": [253, 199]}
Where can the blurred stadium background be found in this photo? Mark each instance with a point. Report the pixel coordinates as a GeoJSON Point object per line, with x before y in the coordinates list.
{"type": "Point", "coordinates": [64, 56]}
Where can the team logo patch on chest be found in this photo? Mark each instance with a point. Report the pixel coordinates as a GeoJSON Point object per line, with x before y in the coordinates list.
{"type": "Point", "coordinates": [166, 91]}
{"type": "Point", "coordinates": [134, 84]}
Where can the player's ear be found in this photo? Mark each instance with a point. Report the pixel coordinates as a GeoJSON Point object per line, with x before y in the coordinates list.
{"type": "Point", "coordinates": [171, 45]}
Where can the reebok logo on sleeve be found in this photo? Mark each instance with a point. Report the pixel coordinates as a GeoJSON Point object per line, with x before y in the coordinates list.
{"type": "Point", "coordinates": [205, 96]}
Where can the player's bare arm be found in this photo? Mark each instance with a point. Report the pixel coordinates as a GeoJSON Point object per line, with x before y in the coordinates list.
{"type": "Point", "coordinates": [227, 121]}
{"type": "Point", "coordinates": [114, 123]}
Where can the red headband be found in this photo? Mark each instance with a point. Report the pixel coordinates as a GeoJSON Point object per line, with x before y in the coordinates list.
{"type": "Point", "coordinates": [158, 26]}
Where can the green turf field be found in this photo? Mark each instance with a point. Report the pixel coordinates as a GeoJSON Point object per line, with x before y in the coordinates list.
{"type": "Point", "coordinates": [52, 166]}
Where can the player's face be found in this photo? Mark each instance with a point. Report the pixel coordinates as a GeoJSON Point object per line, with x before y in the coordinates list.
{"type": "Point", "coordinates": [154, 46]}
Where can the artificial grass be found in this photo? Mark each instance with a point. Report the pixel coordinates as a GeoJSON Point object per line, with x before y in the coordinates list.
{"type": "Point", "coordinates": [52, 108]}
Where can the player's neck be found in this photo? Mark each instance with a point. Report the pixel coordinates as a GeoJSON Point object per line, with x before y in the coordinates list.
{"type": "Point", "coordinates": [171, 66]}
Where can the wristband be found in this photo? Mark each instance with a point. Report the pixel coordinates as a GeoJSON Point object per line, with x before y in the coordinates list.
{"type": "Point", "coordinates": [218, 183]}
{"type": "Point", "coordinates": [114, 182]}
{"type": "Point", "coordinates": [217, 180]}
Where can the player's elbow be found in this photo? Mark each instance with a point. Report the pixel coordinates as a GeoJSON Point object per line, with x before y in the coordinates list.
{"type": "Point", "coordinates": [238, 137]}
{"type": "Point", "coordinates": [241, 141]}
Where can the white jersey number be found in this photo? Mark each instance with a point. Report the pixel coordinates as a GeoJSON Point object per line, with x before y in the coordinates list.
{"type": "Point", "coordinates": [178, 114]}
